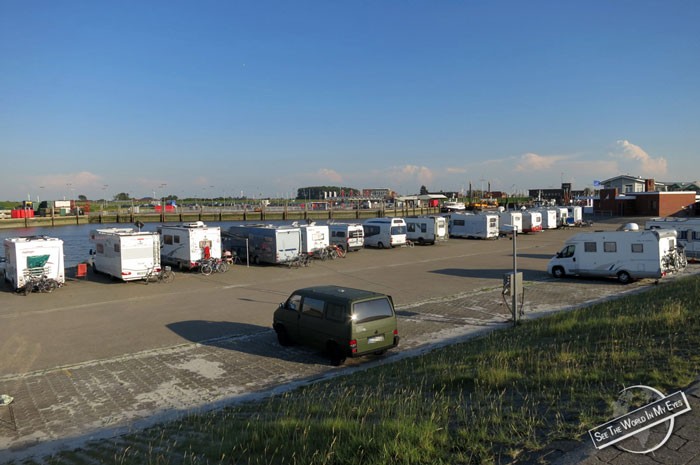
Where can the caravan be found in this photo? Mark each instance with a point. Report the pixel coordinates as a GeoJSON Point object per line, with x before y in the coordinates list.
{"type": "Point", "coordinates": [265, 243]}
{"type": "Point", "coordinates": [314, 237]}
{"type": "Point", "coordinates": [34, 256]}
{"type": "Point", "coordinates": [575, 215]}
{"type": "Point", "coordinates": [688, 230]}
{"type": "Point", "coordinates": [385, 232]}
{"type": "Point", "coordinates": [347, 236]}
{"type": "Point", "coordinates": [626, 255]}
{"type": "Point", "coordinates": [186, 245]}
{"type": "Point", "coordinates": [549, 218]}
{"type": "Point", "coordinates": [532, 221]}
{"type": "Point", "coordinates": [508, 220]}
{"type": "Point", "coordinates": [426, 229]}
{"type": "Point", "coordinates": [481, 226]}
{"type": "Point", "coordinates": [124, 253]}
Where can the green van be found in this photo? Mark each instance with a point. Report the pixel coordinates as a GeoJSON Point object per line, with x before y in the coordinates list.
{"type": "Point", "coordinates": [342, 321]}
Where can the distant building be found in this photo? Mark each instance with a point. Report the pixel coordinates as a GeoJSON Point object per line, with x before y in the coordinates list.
{"type": "Point", "coordinates": [378, 193]}
{"type": "Point", "coordinates": [629, 184]}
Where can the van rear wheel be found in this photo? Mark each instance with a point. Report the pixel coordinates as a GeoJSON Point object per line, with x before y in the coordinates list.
{"type": "Point", "coordinates": [336, 355]}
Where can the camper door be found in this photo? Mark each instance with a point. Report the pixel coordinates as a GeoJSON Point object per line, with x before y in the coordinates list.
{"type": "Point", "coordinates": [567, 259]}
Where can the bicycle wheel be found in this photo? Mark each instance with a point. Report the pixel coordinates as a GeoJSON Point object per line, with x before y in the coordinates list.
{"type": "Point", "coordinates": [206, 269]}
{"type": "Point", "coordinates": [48, 285]}
{"type": "Point", "coordinates": [167, 276]}
{"type": "Point", "coordinates": [223, 267]}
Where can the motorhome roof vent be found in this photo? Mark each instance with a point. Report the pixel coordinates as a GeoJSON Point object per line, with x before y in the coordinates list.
{"type": "Point", "coordinates": [629, 227]}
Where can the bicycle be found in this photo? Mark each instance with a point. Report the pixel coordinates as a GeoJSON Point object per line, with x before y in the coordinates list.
{"type": "Point", "coordinates": [159, 275]}
{"type": "Point", "coordinates": [300, 260]}
{"type": "Point", "coordinates": [39, 284]}
{"type": "Point", "coordinates": [336, 251]}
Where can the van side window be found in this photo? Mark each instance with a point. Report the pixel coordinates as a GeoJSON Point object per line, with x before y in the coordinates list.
{"type": "Point", "coordinates": [117, 247]}
{"type": "Point", "coordinates": [411, 227]}
{"type": "Point", "coordinates": [568, 251]}
{"type": "Point", "coordinates": [610, 246]}
{"type": "Point", "coordinates": [312, 307]}
{"type": "Point", "coordinates": [589, 247]}
{"type": "Point", "coordinates": [637, 248]}
{"type": "Point", "coordinates": [293, 303]}
{"type": "Point", "coordinates": [458, 222]}
{"type": "Point", "coordinates": [176, 239]}
{"type": "Point", "coordinates": [335, 312]}
{"type": "Point", "coordinates": [423, 228]}
{"type": "Point", "coordinates": [100, 248]}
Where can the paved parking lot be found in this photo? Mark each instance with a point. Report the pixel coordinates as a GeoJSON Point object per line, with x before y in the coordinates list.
{"type": "Point", "coordinates": [96, 359]}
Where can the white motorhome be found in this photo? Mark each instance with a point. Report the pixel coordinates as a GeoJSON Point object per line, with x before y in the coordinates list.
{"type": "Point", "coordinates": [549, 218]}
{"type": "Point", "coordinates": [688, 230]}
{"type": "Point", "coordinates": [124, 253]}
{"type": "Point", "coordinates": [481, 226]}
{"type": "Point", "coordinates": [186, 245]}
{"type": "Point", "coordinates": [347, 236]}
{"type": "Point", "coordinates": [626, 255]}
{"type": "Point", "coordinates": [532, 221]}
{"type": "Point", "coordinates": [509, 219]}
{"type": "Point", "coordinates": [575, 215]}
{"type": "Point", "coordinates": [265, 243]}
{"type": "Point", "coordinates": [426, 229]}
{"type": "Point", "coordinates": [563, 216]}
{"type": "Point", "coordinates": [33, 256]}
{"type": "Point", "coordinates": [385, 232]}
{"type": "Point", "coordinates": [314, 237]}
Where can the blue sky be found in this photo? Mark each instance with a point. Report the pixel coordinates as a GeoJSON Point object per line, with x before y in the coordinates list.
{"type": "Point", "coordinates": [213, 98]}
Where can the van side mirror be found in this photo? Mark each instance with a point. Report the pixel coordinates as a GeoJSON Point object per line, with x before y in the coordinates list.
{"type": "Point", "coordinates": [92, 252]}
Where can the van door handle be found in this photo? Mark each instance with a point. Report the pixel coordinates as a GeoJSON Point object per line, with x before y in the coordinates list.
{"type": "Point", "coordinates": [574, 258]}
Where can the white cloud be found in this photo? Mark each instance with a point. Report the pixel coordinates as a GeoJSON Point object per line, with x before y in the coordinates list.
{"type": "Point", "coordinates": [641, 160]}
{"type": "Point", "coordinates": [413, 174]}
{"type": "Point", "coordinates": [327, 174]}
{"type": "Point", "coordinates": [534, 162]}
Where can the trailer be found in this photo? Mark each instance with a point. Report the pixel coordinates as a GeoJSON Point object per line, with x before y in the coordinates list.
{"type": "Point", "coordinates": [347, 236]}
{"type": "Point", "coordinates": [532, 221]}
{"type": "Point", "coordinates": [688, 230]}
{"type": "Point", "coordinates": [563, 217]}
{"type": "Point", "coordinates": [575, 215]}
{"type": "Point", "coordinates": [549, 218]}
{"type": "Point", "coordinates": [470, 226]}
{"type": "Point", "coordinates": [33, 257]}
{"type": "Point", "coordinates": [508, 220]}
{"type": "Point", "coordinates": [625, 255]}
{"type": "Point", "coordinates": [426, 229]}
{"type": "Point", "coordinates": [125, 254]}
{"type": "Point", "coordinates": [186, 245]}
{"type": "Point", "coordinates": [264, 243]}
{"type": "Point", "coordinates": [314, 237]}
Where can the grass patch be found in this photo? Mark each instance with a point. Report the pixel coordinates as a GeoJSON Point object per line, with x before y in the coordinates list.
{"type": "Point", "coordinates": [501, 398]}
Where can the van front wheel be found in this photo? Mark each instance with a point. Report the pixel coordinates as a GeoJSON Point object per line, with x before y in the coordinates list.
{"type": "Point", "coordinates": [558, 272]}
{"type": "Point", "coordinates": [624, 277]}
{"type": "Point", "coordinates": [282, 336]}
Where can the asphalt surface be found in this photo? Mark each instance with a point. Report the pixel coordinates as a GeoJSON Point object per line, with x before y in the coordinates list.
{"type": "Point", "coordinates": [96, 359]}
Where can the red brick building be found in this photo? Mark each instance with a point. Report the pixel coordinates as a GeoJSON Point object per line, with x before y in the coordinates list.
{"type": "Point", "coordinates": [645, 203]}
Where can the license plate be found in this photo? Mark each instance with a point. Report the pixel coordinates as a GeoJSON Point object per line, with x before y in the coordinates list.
{"type": "Point", "coordinates": [375, 339]}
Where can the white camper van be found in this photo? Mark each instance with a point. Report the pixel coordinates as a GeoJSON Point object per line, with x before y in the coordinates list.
{"type": "Point", "coordinates": [384, 232]}
{"type": "Point", "coordinates": [481, 226]}
{"type": "Point", "coordinates": [347, 236]}
{"type": "Point", "coordinates": [626, 255]}
{"type": "Point", "coordinates": [688, 230]}
{"type": "Point", "coordinates": [186, 245]}
{"type": "Point", "coordinates": [426, 229]}
{"type": "Point", "coordinates": [265, 243]}
{"type": "Point", "coordinates": [314, 237]}
{"type": "Point", "coordinates": [532, 221]}
{"type": "Point", "coordinates": [124, 253]}
{"type": "Point", "coordinates": [34, 256]}
{"type": "Point", "coordinates": [509, 219]}
{"type": "Point", "coordinates": [563, 217]}
{"type": "Point", "coordinates": [575, 215]}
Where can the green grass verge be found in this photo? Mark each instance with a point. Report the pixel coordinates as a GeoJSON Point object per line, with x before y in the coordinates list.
{"type": "Point", "coordinates": [500, 398]}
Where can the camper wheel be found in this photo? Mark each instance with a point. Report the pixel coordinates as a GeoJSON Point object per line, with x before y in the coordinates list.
{"type": "Point", "coordinates": [336, 354]}
{"type": "Point", "coordinates": [380, 245]}
{"type": "Point", "coordinates": [624, 277]}
{"type": "Point", "coordinates": [558, 272]}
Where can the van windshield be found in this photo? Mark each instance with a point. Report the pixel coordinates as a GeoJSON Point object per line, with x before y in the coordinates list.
{"type": "Point", "coordinates": [372, 310]}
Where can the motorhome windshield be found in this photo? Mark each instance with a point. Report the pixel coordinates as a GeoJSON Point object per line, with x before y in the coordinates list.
{"type": "Point", "coordinates": [396, 230]}
{"type": "Point", "coordinates": [372, 310]}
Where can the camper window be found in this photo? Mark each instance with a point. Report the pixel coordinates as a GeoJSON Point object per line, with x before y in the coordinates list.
{"type": "Point", "coordinates": [696, 235]}
{"type": "Point", "coordinates": [176, 239]}
{"type": "Point", "coordinates": [637, 248]}
{"type": "Point", "coordinates": [312, 307]}
{"type": "Point", "coordinates": [458, 222]}
{"type": "Point", "coordinates": [610, 247]}
{"type": "Point", "coordinates": [117, 247]}
{"type": "Point", "coordinates": [167, 239]}
{"type": "Point", "coordinates": [589, 246]}
{"type": "Point", "coordinates": [338, 233]}
{"type": "Point", "coordinates": [99, 248]}
{"type": "Point", "coordinates": [683, 235]}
